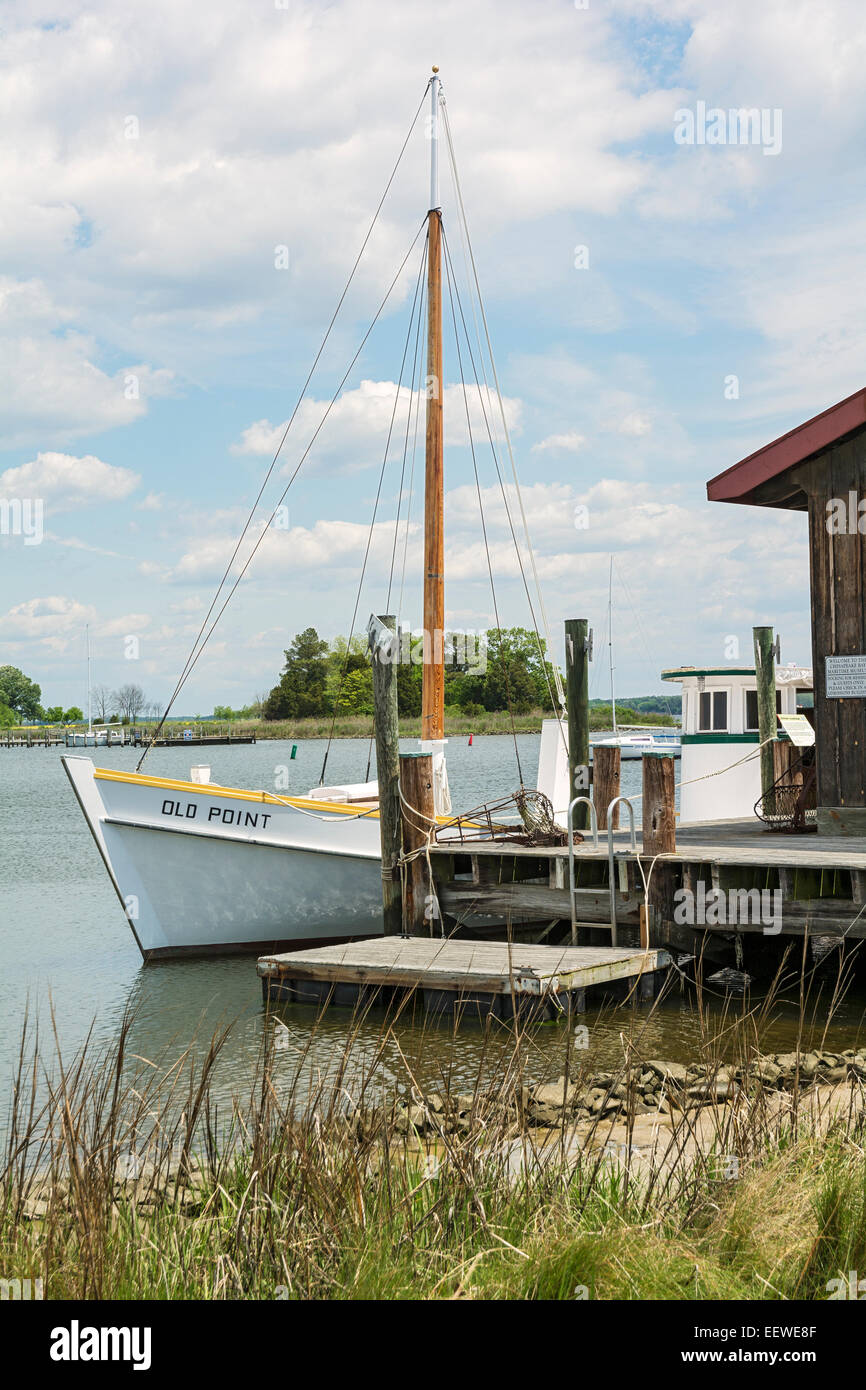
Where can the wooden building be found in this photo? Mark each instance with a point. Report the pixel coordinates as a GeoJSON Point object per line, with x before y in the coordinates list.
{"type": "Point", "coordinates": [820, 468]}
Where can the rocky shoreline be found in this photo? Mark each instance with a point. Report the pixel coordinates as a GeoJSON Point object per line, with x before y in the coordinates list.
{"type": "Point", "coordinates": [645, 1088]}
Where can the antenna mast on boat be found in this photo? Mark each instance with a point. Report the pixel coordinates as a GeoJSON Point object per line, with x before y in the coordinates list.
{"type": "Point", "coordinates": [89, 701]}
{"type": "Point", "coordinates": [433, 674]}
{"type": "Point", "coordinates": [610, 643]}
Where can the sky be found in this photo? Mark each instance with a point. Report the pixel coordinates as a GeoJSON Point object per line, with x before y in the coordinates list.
{"type": "Point", "coordinates": [184, 189]}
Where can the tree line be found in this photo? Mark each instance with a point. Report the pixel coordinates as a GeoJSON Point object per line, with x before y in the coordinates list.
{"type": "Point", "coordinates": [496, 671]}
{"type": "Point", "coordinates": [21, 703]}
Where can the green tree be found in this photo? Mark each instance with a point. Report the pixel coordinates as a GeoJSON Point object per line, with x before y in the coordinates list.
{"type": "Point", "coordinates": [73, 716]}
{"type": "Point", "coordinates": [7, 718]}
{"type": "Point", "coordinates": [54, 715]}
{"type": "Point", "coordinates": [21, 694]}
{"type": "Point", "coordinates": [516, 675]}
{"type": "Point", "coordinates": [303, 686]}
{"type": "Point", "coordinates": [356, 693]}
{"type": "Point", "coordinates": [409, 688]}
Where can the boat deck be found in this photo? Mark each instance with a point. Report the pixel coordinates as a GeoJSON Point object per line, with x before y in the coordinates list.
{"type": "Point", "coordinates": [491, 976]}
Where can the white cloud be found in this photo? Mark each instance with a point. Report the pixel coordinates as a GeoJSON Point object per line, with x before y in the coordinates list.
{"type": "Point", "coordinates": [52, 386]}
{"type": "Point", "coordinates": [635, 424]}
{"type": "Point", "coordinates": [358, 423]}
{"type": "Point", "coordinates": [570, 443]}
{"type": "Point", "coordinates": [66, 482]}
{"type": "Point", "coordinates": [57, 622]}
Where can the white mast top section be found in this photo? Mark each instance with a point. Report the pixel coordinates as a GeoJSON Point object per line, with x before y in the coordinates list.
{"type": "Point", "coordinates": [434, 140]}
{"type": "Point", "coordinates": [89, 702]}
{"type": "Point", "coordinates": [610, 642]}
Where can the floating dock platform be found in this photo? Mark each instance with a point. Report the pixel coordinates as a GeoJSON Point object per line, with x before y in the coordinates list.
{"type": "Point", "coordinates": [498, 978]}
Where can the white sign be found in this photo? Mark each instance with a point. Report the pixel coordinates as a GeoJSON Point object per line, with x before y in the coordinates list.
{"type": "Point", "coordinates": [798, 729]}
{"type": "Point", "coordinates": [846, 677]}
{"type": "Point", "coordinates": [187, 733]}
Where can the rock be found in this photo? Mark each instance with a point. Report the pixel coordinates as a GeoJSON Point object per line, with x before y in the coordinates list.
{"type": "Point", "coordinates": [710, 1093]}
{"type": "Point", "coordinates": [767, 1070]}
{"type": "Point", "coordinates": [834, 1074]}
{"type": "Point", "coordinates": [547, 1116]}
{"type": "Point", "coordinates": [558, 1094]}
{"type": "Point", "coordinates": [670, 1071]}
{"type": "Point", "coordinates": [604, 1105]}
{"type": "Point", "coordinates": [414, 1118]}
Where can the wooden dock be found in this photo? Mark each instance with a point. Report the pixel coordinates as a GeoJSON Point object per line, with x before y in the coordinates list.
{"type": "Point", "coordinates": [820, 880]}
{"type": "Point", "coordinates": [452, 976]}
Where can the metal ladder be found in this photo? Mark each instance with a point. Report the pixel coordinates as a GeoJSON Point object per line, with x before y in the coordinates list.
{"type": "Point", "coordinates": [593, 824]}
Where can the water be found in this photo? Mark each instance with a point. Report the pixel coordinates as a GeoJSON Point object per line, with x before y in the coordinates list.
{"type": "Point", "coordinates": [64, 944]}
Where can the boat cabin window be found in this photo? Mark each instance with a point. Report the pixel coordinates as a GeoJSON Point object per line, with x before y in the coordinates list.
{"type": "Point", "coordinates": [713, 711]}
{"type": "Point", "coordinates": [752, 709]}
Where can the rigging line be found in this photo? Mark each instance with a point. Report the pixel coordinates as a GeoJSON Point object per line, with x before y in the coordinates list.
{"type": "Point", "coordinates": [555, 704]}
{"type": "Point", "coordinates": [297, 405]}
{"type": "Point", "coordinates": [448, 275]}
{"type": "Point", "coordinates": [192, 663]}
{"type": "Point", "coordinates": [461, 206]}
{"type": "Point", "coordinates": [542, 658]}
{"type": "Point", "coordinates": [375, 509]}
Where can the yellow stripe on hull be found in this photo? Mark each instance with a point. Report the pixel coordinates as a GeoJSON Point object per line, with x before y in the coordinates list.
{"type": "Point", "coordinates": [140, 779]}
{"type": "Point", "coordinates": [304, 803]}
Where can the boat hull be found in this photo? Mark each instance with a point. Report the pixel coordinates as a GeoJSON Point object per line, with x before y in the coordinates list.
{"type": "Point", "coordinates": [202, 870]}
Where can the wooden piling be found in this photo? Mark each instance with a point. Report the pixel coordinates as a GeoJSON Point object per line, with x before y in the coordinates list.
{"type": "Point", "coordinates": [421, 910]}
{"type": "Point", "coordinates": [605, 783]}
{"type": "Point", "coordinates": [385, 654]}
{"type": "Point", "coordinates": [765, 675]}
{"type": "Point", "coordinates": [659, 817]}
{"type": "Point", "coordinates": [577, 701]}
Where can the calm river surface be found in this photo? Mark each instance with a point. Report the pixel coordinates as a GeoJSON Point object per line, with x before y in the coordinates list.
{"type": "Point", "coordinates": [64, 943]}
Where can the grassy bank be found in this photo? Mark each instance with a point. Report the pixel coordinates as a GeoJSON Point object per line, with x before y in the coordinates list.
{"type": "Point", "coordinates": [122, 1181]}
{"type": "Point", "coordinates": [456, 724]}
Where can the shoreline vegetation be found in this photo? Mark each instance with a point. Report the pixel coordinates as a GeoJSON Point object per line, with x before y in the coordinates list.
{"type": "Point", "coordinates": [741, 1176]}
{"type": "Point", "coordinates": [457, 723]}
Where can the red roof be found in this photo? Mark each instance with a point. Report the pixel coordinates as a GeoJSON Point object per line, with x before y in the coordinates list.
{"type": "Point", "coordinates": [739, 482]}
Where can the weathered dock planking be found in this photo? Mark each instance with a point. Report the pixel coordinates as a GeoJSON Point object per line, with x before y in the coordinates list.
{"type": "Point", "coordinates": [489, 977]}
{"type": "Point", "coordinates": [821, 880]}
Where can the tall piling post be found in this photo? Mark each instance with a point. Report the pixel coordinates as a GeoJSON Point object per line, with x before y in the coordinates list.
{"type": "Point", "coordinates": [577, 705]}
{"type": "Point", "coordinates": [765, 676]}
{"type": "Point", "coordinates": [383, 643]}
{"type": "Point", "coordinates": [658, 813]}
{"type": "Point", "coordinates": [418, 814]}
{"type": "Point", "coordinates": [605, 783]}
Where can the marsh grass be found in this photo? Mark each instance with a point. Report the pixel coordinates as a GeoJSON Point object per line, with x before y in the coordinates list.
{"type": "Point", "coordinates": [123, 1178]}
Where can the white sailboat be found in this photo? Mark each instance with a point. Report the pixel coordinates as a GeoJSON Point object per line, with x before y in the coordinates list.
{"type": "Point", "coordinates": [633, 740]}
{"type": "Point", "coordinates": [205, 868]}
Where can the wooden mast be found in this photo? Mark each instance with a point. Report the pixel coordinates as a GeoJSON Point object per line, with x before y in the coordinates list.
{"type": "Point", "coordinates": [433, 673]}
